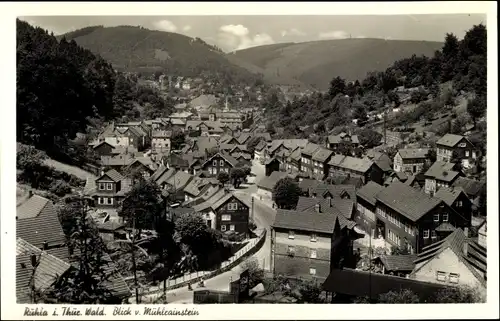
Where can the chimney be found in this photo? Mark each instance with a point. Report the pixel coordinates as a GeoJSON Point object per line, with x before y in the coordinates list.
{"type": "Point", "coordinates": [466, 232]}
{"type": "Point", "coordinates": [317, 208]}
{"type": "Point", "coordinates": [102, 172]}
{"type": "Point", "coordinates": [465, 248]}
{"type": "Point", "coordinates": [45, 245]}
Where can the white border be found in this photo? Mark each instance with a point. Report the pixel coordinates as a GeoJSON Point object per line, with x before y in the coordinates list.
{"type": "Point", "coordinates": [11, 10]}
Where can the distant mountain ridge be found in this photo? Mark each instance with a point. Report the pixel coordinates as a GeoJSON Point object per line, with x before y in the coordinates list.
{"type": "Point", "coordinates": [315, 63]}
{"type": "Point", "coordinates": [138, 49]}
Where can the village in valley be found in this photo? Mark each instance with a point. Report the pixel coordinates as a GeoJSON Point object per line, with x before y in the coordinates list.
{"type": "Point", "coordinates": [176, 188]}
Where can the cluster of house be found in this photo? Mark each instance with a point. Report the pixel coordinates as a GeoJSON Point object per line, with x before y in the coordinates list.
{"type": "Point", "coordinates": [43, 255]}
{"type": "Point", "coordinates": [428, 213]}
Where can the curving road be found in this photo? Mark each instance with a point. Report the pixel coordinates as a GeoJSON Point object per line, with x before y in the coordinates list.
{"type": "Point", "coordinates": [263, 217]}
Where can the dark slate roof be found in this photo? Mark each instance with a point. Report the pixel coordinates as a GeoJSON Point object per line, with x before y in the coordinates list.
{"type": "Point", "coordinates": [474, 259]}
{"type": "Point", "coordinates": [321, 154]}
{"type": "Point", "coordinates": [442, 171]}
{"type": "Point", "coordinates": [382, 160]}
{"type": "Point", "coordinates": [179, 180]}
{"type": "Point", "coordinates": [366, 284]}
{"type": "Point", "coordinates": [407, 201]}
{"type": "Point", "coordinates": [260, 145]}
{"type": "Point", "coordinates": [233, 162]}
{"type": "Point", "coordinates": [471, 187]}
{"type": "Point", "coordinates": [37, 222]}
{"type": "Point", "coordinates": [226, 198]}
{"type": "Point", "coordinates": [209, 202]}
{"type": "Point", "coordinates": [445, 227]}
{"type": "Point", "coordinates": [296, 154]}
{"type": "Point", "coordinates": [398, 262]}
{"type": "Point", "coordinates": [194, 186]}
{"type": "Point", "coordinates": [335, 190]}
{"type": "Point", "coordinates": [339, 179]}
{"type": "Point", "coordinates": [450, 140]}
{"type": "Point", "coordinates": [310, 221]}
{"type": "Point", "coordinates": [448, 195]}
{"type": "Point", "coordinates": [159, 171]}
{"type": "Point", "coordinates": [268, 182]}
{"type": "Point", "coordinates": [369, 192]}
{"type": "Point", "coordinates": [336, 206]}
{"type": "Point", "coordinates": [113, 174]}
{"type": "Point", "coordinates": [206, 143]}
{"type": "Point", "coordinates": [356, 164]}
{"type": "Point", "coordinates": [310, 149]}
{"type": "Point", "coordinates": [165, 176]}
{"type": "Point", "coordinates": [413, 153]}
{"type": "Point", "coordinates": [48, 270]}
{"type": "Point", "coordinates": [335, 139]}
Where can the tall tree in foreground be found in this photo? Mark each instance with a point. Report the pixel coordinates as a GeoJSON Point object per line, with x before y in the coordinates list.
{"type": "Point", "coordinates": [476, 108]}
{"type": "Point", "coordinates": [86, 283]}
{"type": "Point", "coordinates": [286, 193]}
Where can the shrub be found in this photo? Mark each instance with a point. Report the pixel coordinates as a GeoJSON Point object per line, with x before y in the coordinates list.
{"type": "Point", "coordinates": [60, 188]}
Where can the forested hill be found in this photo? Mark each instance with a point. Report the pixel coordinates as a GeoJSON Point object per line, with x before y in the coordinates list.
{"type": "Point", "coordinates": [461, 63]}
{"type": "Point", "coordinates": [313, 63]}
{"type": "Point", "coordinates": [138, 49]}
{"type": "Point", "coordinates": [62, 88]}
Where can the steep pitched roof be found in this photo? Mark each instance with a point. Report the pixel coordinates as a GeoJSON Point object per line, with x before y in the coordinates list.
{"type": "Point", "coordinates": [268, 182]}
{"type": "Point", "coordinates": [442, 171]}
{"type": "Point", "coordinates": [398, 262]}
{"type": "Point", "coordinates": [296, 154]}
{"type": "Point", "coordinates": [194, 186]}
{"type": "Point", "coordinates": [407, 201]}
{"type": "Point", "coordinates": [165, 176]}
{"type": "Point", "coordinates": [310, 221]}
{"type": "Point", "coordinates": [450, 140]}
{"type": "Point", "coordinates": [37, 222]}
{"type": "Point", "coordinates": [369, 192]}
{"type": "Point", "coordinates": [209, 203]}
{"type": "Point", "coordinates": [345, 207]}
{"type": "Point", "coordinates": [233, 162]}
{"type": "Point", "coordinates": [206, 143]}
{"type": "Point", "coordinates": [413, 153]}
{"type": "Point", "coordinates": [471, 187]}
{"type": "Point", "coordinates": [321, 154]}
{"type": "Point", "coordinates": [179, 180]}
{"type": "Point", "coordinates": [260, 146]}
{"type": "Point", "coordinates": [226, 198]}
{"type": "Point", "coordinates": [113, 174]}
{"type": "Point", "coordinates": [352, 163]}
{"type": "Point", "coordinates": [449, 195]}
{"type": "Point", "coordinates": [474, 258]}
{"type": "Point", "coordinates": [159, 171]}
{"type": "Point", "coordinates": [48, 270]}
{"type": "Point", "coordinates": [310, 149]}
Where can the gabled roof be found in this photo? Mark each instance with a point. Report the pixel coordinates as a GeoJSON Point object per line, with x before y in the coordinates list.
{"type": "Point", "coordinates": [345, 207]}
{"type": "Point", "coordinates": [194, 186]}
{"type": "Point", "coordinates": [398, 263]}
{"type": "Point", "coordinates": [165, 176]}
{"type": "Point", "coordinates": [336, 139]}
{"type": "Point", "coordinates": [48, 270]}
{"type": "Point", "coordinates": [445, 227]}
{"type": "Point", "coordinates": [451, 140]}
{"type": "Point", "coordinates": [310, 221]}
{"type": "Point", "coordinates": [228, 158]}
{"type": "Point", "coordinates": [102, 143]}
{"type": "Point", "coordinates": [179, 180]}
{"type": "Point", "coordinates": [159, 171]}
{"type": "Point", "coordinates": [352, 163]}
{"type": "Point", "coordinates": [243, 138]}
{"type": "Point", "coordinates": [474, 258]}
{"type": "Point", "coordinates": [407, 201]}
{"type": "Point", "coordinates": [226, 198]}
{"type": "Point", "coordinates": [296, 154]}
{"type": "Point", "coordinates": [336, 191]}
{"type": "Point", "coordinates": [268, 182]}
{"type": "Point", "coordinates": [413, 153]}
{"type": "Point", "coordinates": [442, 171]}
{"type": "Point", "coordinates": [321, 154]}
{"type": "Point", "coordinates": [310, 149]}
{"type": "Point", "coordinates": [113, 174]}
{"type": "Point", "coordinates": [205, 143]}
{"type": "Point", "coordinates": [369, 192]}
{"type": "Point", "coordinates": [260, 146]}
{"type": "Point", "coordinates": [208, 203]}
{"type": "Point", "coordinates": [37, 222]}
{"type": "Point", "coordinates": [290, 144]}
{"type": "Point", "coordinates": [449, 195]}
{"type": "Point", "coordinates": [470, 186]}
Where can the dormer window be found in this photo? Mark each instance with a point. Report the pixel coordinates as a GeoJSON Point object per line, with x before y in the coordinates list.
{"type": "Point", "coordinates": [109, 186]}
{"type": "Point", "coordinates": [102, 186]}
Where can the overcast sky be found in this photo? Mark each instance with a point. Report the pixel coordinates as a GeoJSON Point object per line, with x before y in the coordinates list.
{"type": "Point", "coordinates": [239, 32]}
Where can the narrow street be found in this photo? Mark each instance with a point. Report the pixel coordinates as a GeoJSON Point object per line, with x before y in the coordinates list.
{"type": "Point", "coordinates": [263, 216]}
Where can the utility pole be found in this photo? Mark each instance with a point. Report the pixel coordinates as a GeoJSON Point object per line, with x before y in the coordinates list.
{"type": "Point", "coordinates": [253, 210]}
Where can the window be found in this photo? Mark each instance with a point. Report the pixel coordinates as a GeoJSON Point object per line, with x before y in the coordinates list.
{"type": "Point", "coordinates": [291, 235]}
{"type": "Point", "coordinates": [313, 237]}
{"type": "Point", "coordinates": [223, 228]}
{"type": "Point", "coordinates": [453, 278]}
{"type": "Point", "coordinates": [232, 206]}
{"type": "Point", "coordinates": [461, 145]}
{"type": "Point", "coordinates": [445, 217]}
{"type": "Point", "coordinates": [459, 204]}
{"type": "Point", "coordinates": [291, 250]}
{"type": "Point", "coordinates": [466, 153]}
{"type": "Point", "coordinates": [426, 234]}
{"type": "Point", "coordinates": [102, 186]}
{"type": "Point", "coordinates": [313, 254]}
{"type": "Point", "coordinates": [221, 162]}
{"type": "Point", "coordinates": [231, 227]}
{"type": "Point", "coordinates": [312, 271]}
{"type": "Point", "coordinates": [215, 162]}
{"type": "Point", "coordinates": [441, 276]}
{"type": "Point", "coordinates": [99, 200]}
{"type": "Point", "coordinates": [210, 170]}
{"type": "Point", "coordinates": [104, 200]}
{"type": "Point", "coordinates": [109, 186]}
{"type": "Point", "coordinates": [436, 217]}
{"type": "Point", "coordinates": [433, 234]}
{"type": "Point", "coordinates": [226, 217]}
